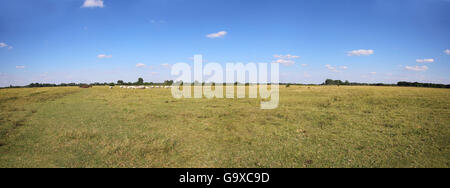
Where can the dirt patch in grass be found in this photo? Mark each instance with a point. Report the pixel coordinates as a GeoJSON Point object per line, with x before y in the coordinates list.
{"type": "Point", "coordinates": [15, 105]}
{"type": "Point", "coordinates": [8, 99]}
{"type": "Point", "coordinates": [19, 123]}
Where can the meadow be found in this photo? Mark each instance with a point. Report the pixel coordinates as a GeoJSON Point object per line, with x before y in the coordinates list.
{"type": "Point", "coordinates": [314, 126]}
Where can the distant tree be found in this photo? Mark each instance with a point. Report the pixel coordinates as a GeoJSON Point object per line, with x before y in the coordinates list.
{"type": "Point", "coordinates": [333, 82]}
{"type": "Point", "coordinates": [417, 84]}
{"type": "Point", "coordinates": [140, 81]}
{"type": "Point", "coordinates": [120, 82]}
{"type": "Point", "coordinates": [168, 82]}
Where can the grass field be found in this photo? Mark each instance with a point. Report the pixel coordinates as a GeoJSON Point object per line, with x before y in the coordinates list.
{"type": "Point", "coordinates": [321, 126]}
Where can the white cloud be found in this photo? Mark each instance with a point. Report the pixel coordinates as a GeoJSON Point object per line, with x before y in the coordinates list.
{"type": "Point", "coordinates": [424, 60]}
{"type": "Point", "coordinates": [304, 65]}
{"type": "Point", "coordinates": [103, 56]}
{"type": "Point", "coordinates": [447, 51]}
{"type": "Point", "coordinates": [285, 59]}
{"type": "Point", "coordinates": [416, 68]}
{"type": "Point", "coordinates": [360, 52]}
{"type": "Point", "coordinates": [217, 35]}
{"type": "Point", "coordinates": [93, 4]}
{"type": "Point", "coordinates": [336, 69]}
{"type": "Point", "coordinates": [167, 65]}
{"type": "Point", "coordinates": [154, 73]}
{"type": "Point", "coordinates": [284, 62]}
{"type": "Point", "coordinates": [20, 67]}
{"type": "Point", "coordinates": [140, 65]}
{"type": "Point", "coordinates": [331, 68]}
{"type": "Point", "coordinates": [373, 73]}
{"type": "Point", "coordinates": [288, 56]}
{"type": "Point", "coordinates": [4, 45]}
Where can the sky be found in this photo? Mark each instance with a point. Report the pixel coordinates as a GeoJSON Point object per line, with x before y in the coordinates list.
{"type": "Point", "coordinates": [374, 41]}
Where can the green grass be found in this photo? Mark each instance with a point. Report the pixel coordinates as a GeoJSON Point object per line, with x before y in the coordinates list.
{"type": "Point", "coordinates": [312, 127]}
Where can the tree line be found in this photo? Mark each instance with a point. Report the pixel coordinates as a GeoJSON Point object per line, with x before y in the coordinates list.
{"type": "Point", "coordinates": [417, 84]}
{"type": "Point", "coordinates": [402, 83]}
{"type": "Point", "coordinates": [140, 81]}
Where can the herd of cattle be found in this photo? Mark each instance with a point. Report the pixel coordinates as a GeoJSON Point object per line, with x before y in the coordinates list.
{"type": "Point", "coordinates": [143, 87]}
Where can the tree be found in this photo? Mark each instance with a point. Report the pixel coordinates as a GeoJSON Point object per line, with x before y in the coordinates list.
{"type": "Point", "coordinates": [120, 82]}
{"type": "Point", "coordinates": [168, 82]}
{"type": "Point", "coordinates": [140, 81]}
{"type": "Point", "coordinates": [333, 82]}
{"type": "Point", "coordinates": [329, 82]}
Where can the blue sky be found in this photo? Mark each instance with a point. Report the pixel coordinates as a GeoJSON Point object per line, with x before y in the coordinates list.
{"type": "Point", "coordinates": [56, 41]}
